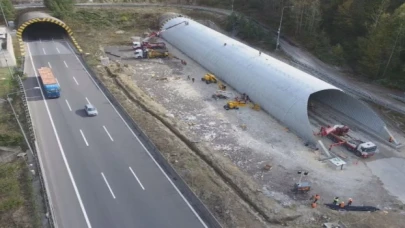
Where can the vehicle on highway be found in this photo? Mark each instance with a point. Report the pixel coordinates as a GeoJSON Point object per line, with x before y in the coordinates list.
{"type": "Point", "coordinates": [50, 85]}
{"type": "Point", "coordinates": [90, 110]}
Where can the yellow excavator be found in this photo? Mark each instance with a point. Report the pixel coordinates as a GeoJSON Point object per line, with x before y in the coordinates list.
{"type": "Point", "coordinates": [209, 78]}
{"type": "Point", "coordinates": [234, 105]}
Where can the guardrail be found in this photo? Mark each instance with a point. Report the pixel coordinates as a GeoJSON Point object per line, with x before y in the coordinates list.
{"type": "Point", "coordinates": [194, 201]}
{"type": "Point", "coordinates": [33, 146]}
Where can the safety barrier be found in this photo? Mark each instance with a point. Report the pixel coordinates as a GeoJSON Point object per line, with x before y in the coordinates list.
{"type": "Point", "coordinates": [38, 17]}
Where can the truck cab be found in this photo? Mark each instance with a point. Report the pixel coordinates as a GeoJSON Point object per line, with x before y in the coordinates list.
{"type": "Point", "coordinates": [52, 91]}
{"type": "Point", "coordinates": [362, 149]}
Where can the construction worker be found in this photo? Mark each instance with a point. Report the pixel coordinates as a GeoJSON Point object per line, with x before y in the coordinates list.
{"type": "Point", "coordinates": [349, 203]}
{"type": "Point", "coordinates": [188, 77]}
{"type": "Point", "coordinates": [313, 205]}
{"type": "Point", "coordinates": [342, 204]}
{"type": "Point", "coordinates": [316, 198]}
{"type": "Point", "coordinates": [336, 201]}
{"type": "Point", "coordinates": [192, 80]}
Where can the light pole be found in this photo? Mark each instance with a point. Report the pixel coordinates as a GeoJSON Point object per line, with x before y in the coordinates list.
{"type": "Point", "coordinates": [279, 28]}
{"type": "Point", "coordinates": [232, 5]}
{"type": "Point", "coordinates": [16, 117]}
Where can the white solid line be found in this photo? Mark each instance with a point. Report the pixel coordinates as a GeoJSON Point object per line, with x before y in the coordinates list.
{"type": "Point", "coordinates": [108, 133]}
{"type": "Point", "coordinates": [75, 80]}
{"type": "Point", "coordinates": [88, 101]}
{"type": "Point", "coordinates": [84, 138]}
{"type": "Point", "coordinates": [68, 105]}
{"type": "Point", "coordinates": [43, 49]}
{"type": "Point", "coordinates": [60, 146]}
{"type": "Point", "coordinates": [150, 155]}
{"type": "Point", "coordinates": [57, 80]}
{"type": "Point", "coordinates": [65, 64]}
{"type": "Point", "coordinates": [57, 50]}
{"type": "Point", "coordinates": [49, 64]}
{"type": "Point", "coordinates": [136, 178]}
{"type": "Point", "coordinates": [105, 179]}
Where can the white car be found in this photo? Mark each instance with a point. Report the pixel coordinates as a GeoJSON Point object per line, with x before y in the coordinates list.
{"type": "Point", "coordinates": [90, 110]}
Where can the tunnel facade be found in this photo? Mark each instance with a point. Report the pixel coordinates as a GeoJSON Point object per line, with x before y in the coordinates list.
{"type": "Point", "coordinates": [280, 89]}
{"type": "Point", "coordinates": [30, 18]}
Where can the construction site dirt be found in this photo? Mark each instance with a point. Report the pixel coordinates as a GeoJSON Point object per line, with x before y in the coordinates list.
{"type": "Point", "coordinates": [253, 140]}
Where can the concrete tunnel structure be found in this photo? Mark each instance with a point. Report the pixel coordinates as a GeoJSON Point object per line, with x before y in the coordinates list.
{"type": "Point", "coordinates": [280, 89]}
{"type": "Point", "coordinates": [29, 18]}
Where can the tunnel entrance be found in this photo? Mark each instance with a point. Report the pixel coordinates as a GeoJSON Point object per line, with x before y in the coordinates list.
{"type": "Point", "coordinates": [43, 31]}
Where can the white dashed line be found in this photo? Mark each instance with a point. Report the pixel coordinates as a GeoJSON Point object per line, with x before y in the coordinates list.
{"type": "Point", "coordinates": [84, 138]}
{"type": "Point", "coordinates": [88, 102]}
{"type": "Point", "coordinates": [57, 81]}
{"type": "Point", "coordinates": [75, 80]}
{"type": "Point", "coordinates": [108, 133]}
{"type": "Point", "coordinates": [49, 64]}
{"type": "Point", "coordinates": [68, 105]}
{"type": "Point", "coordinates": [65, 64]}
{"type": "Point", "coordinates": [43, 49]}
{"type": "Point", "coordinates": [60, 145]}
{"type": "Point", "coordinates": [136, 178]}
{"type": "Point", "coordinates": [57, 50]}
{"type": "Point", "coordinates": [106, 182]}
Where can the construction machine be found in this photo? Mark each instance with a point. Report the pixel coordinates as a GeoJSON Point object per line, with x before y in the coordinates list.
{"type": "Point", "coordinates": [221, 86]}
{"type": "Point", "coordinates": [137, 43]}
{"type": "Point", "coordinates": [219, 94]}
{"type": "Point", "coordinates": [234, 105]}
{"type": "Point", "coordinates": [209, 78]}
{"type": "Point", "coordinates": [151, 53]}
{"type": "Point", "coordinates": [339, 135]}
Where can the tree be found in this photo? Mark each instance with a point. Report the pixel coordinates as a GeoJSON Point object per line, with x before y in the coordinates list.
{"type": "Point", "coordinates": [59, 8]}
{"type": "Point", "coordinates": [8, 9]}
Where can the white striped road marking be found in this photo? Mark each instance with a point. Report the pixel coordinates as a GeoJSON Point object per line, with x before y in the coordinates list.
{"type": "Point", "coordinates": [105, 179]}
{"type": "Point", "coordinates": [108, 133]}
{"type": "Point", "coordinates": [75, 80]}
{"type": "Point", "coordinates": [136, 178]}
{"type": "Point", "coordinates": [84, 137]}
{"type": "Point", "coordinates": [43, 49]}
{"type": "Point", "coordinates": [49, 64]}
{"type": "Point", "coordinates": [88, 102]}
{"type": "Point", "coordinates": [57, 50]}
{"type": "Point", "coordinates": [68, 105]}
{"type": "Point", "coordinates": [65, 64]}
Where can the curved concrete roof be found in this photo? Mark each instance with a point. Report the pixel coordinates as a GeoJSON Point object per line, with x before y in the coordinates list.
{"type": "Point", "coordinates": [30, 18]}
{"type": "Point", "coordinates": [280, 89]}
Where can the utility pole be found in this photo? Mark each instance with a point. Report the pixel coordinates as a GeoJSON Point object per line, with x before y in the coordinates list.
{"type": "Point", "coordinates": [4, 16]}
{"type": "Point", "coordinates": [232, 5]}
{"type": "Point", "coordinates": [279, 28]}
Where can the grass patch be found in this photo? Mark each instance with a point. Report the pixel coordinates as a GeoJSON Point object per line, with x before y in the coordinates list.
{"type": "Point", "coordinates": [17, 51]}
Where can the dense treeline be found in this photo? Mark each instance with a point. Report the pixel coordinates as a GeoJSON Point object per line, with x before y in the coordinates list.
{"type": "Point", "coordinates": [367, 35]}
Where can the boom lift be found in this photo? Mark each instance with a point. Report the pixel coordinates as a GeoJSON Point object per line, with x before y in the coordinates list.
{"type": "Point", "coordinates": [142, 44]}
{"type": "Point", "coordinates": [339, 135]}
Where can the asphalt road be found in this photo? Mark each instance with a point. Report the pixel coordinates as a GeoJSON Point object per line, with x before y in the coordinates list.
{"type": "Point", "coordinates": [97, 171]}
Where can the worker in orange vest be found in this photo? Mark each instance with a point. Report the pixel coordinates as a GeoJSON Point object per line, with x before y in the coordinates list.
{"type": "Point", "coordinates": [349, 202]}
{"type": "Point", "coordinates": [342, 204]}
{"type": "Point", "coordinates": [313, 205]}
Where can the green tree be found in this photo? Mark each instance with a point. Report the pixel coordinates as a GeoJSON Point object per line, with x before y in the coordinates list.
{"type": "Point", "coordinates": [8, 9]}
{"type": "Point", "coordinates": [60, 8]}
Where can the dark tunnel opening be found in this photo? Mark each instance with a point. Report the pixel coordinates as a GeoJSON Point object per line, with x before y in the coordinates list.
{"type": "Point", "coordinates": [43, 31]}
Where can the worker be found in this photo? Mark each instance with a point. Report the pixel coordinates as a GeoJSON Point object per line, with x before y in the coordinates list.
{"type": "Point", "coordinates": [349, 203]}
{"type": "Point", "coordinates": [316, 198]}
{"type": "Point", "coordinates": [192, 80]}
{"type": "Point", "coordinates": [342, 204]}
{"type": "Point", "coordinates": [247, 98]}
{"type": "Point", "coordinates": [188, 77]}
{"type": "Point", "coordinates": [313, 205]}
{"type": "Point", "coordinates": [244, 96]}
{"type": "Point", "coordinates": [260, 53]}
{"type": "Point", "coordinates": [336, 201]}
{"type": "Point", "coordinates": [224, 44]}
{"type": "Point", "coordinates": [390, 140]}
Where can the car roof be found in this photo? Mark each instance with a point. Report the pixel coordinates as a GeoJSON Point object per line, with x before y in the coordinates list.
{"type": "Point", "coordinates": [89, 106]}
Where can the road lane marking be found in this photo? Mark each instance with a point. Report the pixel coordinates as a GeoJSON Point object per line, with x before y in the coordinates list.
{"type": "Point", "coordinates": [133, 173]}
{"type": "Point", "coordinates": [75, 80]}
{"type": "Point", "coordinates": [88, 101]}
{"type": "Point", "coordinates": [143, 146]}
{"type": "Point", "coordinates": [65, 64]}
{"type": "Point", "coordinates": [57, 49]}
{"type": "Point", "coordinates": [84, 137]}
{"type": "Point", "coordinates": [57, 81]}
{"type": "Point", "coordinates": [105, 179]}
{"type": "Point", "coordinates": [43, 49]}
{"type": "Point", "coordinates": [68, 105]}
{"type": "Point", "coordinates": [60, 145]}
{"type": "Point", "coordinates": [49, 64]}
{"type": "Point", "coordinates": [108, 133]}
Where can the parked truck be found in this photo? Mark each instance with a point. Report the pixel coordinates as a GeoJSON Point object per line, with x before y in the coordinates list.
{"type": "Point", "coordinates": [50, 85]}
{"type": "Point", "coordinates": [138, 43]}
{"type": "Point", "coordinates": [339, 135]}
{"type": "Point", "coordinates": [151, 53]}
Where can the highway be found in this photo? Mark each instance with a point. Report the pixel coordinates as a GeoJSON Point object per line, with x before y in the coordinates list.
{"type": "Point", "coordinates": [97, 171]}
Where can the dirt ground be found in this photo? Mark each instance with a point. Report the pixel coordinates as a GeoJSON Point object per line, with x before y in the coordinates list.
{"type": "Point", "coordinates": [223, 155]}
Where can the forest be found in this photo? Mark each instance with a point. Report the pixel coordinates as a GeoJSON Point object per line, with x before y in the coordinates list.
{"type": "Point", "coordinates": [368, 36]}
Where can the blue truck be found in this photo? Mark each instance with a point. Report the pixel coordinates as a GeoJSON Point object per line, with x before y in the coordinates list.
{"type": "Point", "coordinates": [50, 85]}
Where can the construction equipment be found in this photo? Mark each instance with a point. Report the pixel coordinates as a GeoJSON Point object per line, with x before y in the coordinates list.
{"type": "Point", "coordinates": [221, 86]}
{"type": "Point", "coordinates": [142, 44]}
{"type": "Point", "coordinates": [302, 187]}
{"type": "Point", "coordinates": [221, 95]}
{"type": "Point", "coordinates": [175, 57]}
{"type": "Point", "coordinates": [256, 107]}
{"type": "Point", "coordinates": [209, 78]}
{"type": "Point", "coordinates": [151, 53]}
{"type": "Point", "coordinates": [234, 105]}
{"type": "Point", "coordinates": [339, 135]}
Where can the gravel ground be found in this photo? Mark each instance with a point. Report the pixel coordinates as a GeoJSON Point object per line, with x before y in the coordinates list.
{"type": "Point", "coordinates": [263, 141]}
